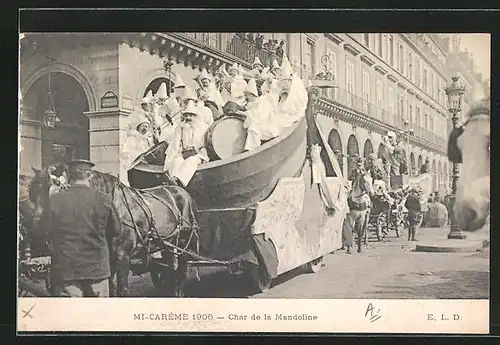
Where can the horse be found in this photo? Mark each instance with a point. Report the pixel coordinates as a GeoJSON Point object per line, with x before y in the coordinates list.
{"type": "Point", "coordinates": [469, 145]}
{"type": "Point", "coordinates": [359, 201]}
{"type": "Point", "coordinates": [159, 219]}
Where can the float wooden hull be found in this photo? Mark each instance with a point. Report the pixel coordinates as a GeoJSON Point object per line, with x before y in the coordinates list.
{"type": "Point", "coordinates": [242, 180]}
{"type": "Point", "coordinates": [250, 177]}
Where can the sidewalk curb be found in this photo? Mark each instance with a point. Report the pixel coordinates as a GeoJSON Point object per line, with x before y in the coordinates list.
{"type": "Point", "coordinates": [436, 248]}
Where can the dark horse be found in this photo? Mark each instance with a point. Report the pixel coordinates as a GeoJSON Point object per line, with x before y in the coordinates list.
{"type": "Point", "coordinates": [160, 219]}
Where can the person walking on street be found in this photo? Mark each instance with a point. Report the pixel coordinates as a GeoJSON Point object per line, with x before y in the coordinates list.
{"type": "Point", "coordinates": [80, 224]}
{"type": "Point", "coordinates": [414, 207]}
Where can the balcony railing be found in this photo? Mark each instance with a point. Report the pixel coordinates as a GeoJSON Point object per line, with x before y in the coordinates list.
{"type": "Point", "coordinates": [235, 45]}
{"type": "Point", "coordinates": [345, 98]}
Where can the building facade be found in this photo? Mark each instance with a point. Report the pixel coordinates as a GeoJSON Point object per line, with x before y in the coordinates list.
{"type": "Point", "coordinates": [94, 81]}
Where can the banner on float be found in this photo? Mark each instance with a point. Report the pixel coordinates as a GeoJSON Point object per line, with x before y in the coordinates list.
{"type": "Point", "coordinates": [251, 315]}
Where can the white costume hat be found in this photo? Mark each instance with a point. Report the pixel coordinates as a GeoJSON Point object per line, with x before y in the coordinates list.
{"type": "Point", "coordinates": [162, 91]}
{"type": "Point", "coordinates": [179, 82]}
{"type": "Point", "coordinates": [235, 67]}
{"type": "Point", "coordinates": [189, 94]}
{"type": "Point", "coordinates": [257, 62]}
{"type": "Point", "coordinates": [275, 65]}
{"type": "Point", "coordinates": [252, 88]}
{"type": "Point", "coordinates": [391, 134]}
{"type": "Point", "coordinates": [140, 120]}
{"type": "Point", "coordinates": [191, 109]}
{"type": "Point", "coordinates": [146, 99]}
{"type": "Point", "coordinates": [204, 75]}
{"type": "Point", "coordinates": [285, 74]}
{"type": "Point", "coordinates": [222, 70]}
{"type": "Point", "coordinates": [286, 69]}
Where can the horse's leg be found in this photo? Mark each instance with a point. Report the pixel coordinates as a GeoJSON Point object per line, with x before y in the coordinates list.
{"type": "Point", "coordinates": [123, 248]}
{"type": "Point", "coordinates": [365, 225]}
{"type": "Point", "coordinates": [122, 275]}
{"type": "Point", "coordinates": [181, 276]}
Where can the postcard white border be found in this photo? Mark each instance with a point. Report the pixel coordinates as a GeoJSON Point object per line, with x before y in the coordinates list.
{"type": "Point", "coordinates": [240, 315]}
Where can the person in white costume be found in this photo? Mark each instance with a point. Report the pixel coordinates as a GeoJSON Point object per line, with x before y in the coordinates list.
{"type": "Point", "coordinates": [204, 112]}
{"type": "Point", "coordinates": [223, 83]}
{"type": "Point", "coordinates": [257, 69]}
{"type": "Point", "coordinates": [275, 68]}
{"type": "Point", "coordinates": [209, 93]}
{"type": "Point", "coordinates": [292, 100]}
{"type": "Point", "coordinates": [137, 143]}
{"type": "Point", "coordinates": [268, 80]}
{"type": "Point", "coordinates": [260, 117]}
{"type": "Point", "coordinates": [174, 103]}
{"type": "Point", "coordinates": [187, 149]}
{"type": "Point", "coordinates": [238, 85]}
{"type": "Point", "coordinates": [148, 110]}
{"type": "Point", "coordinates": [161, 113]}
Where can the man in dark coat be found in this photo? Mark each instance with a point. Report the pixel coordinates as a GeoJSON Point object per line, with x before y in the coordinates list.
{"type": "Point", "coordinates": [81, 224]}
{"type": "Point", "coordinates": [414, 207]}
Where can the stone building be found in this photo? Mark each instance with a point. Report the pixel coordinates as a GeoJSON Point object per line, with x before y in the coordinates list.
{"type": "Point", "coordinates": [385, 82]}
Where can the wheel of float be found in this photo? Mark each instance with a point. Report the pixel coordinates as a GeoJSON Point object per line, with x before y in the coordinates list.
{"type": "Point", "coordinates": [28, 288]}
{"type": "Point", "coordinates": [315, 265]}
{"type": "Point", "coordinates": [259, 278]}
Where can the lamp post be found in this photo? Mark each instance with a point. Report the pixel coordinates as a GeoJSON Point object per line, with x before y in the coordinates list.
{"type": "Point", "coordinates": [407, 133]}
{"type": "Point", "coordinates": [167, 65]}
{"type": "Point", "coordinates": [455, 93]}
{"type": "Point", "coordinates": [49, 116]}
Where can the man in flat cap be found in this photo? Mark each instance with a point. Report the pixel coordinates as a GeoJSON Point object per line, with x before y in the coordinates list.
{"type": "Point", "coordinates": [80, 223]}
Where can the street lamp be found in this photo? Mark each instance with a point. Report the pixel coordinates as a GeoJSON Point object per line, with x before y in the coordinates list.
{"type": "Point", "coordinates": [49, 116]}
{"type": "Point", "coordinates": [455, 92]}
{"type": "Point", "coordinates": [407, 134]}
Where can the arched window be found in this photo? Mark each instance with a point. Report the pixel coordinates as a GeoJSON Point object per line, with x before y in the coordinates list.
{"type": "Point", "coordinates": [352, 153]}
{"type": "Point", "coordinates": [155, 84]}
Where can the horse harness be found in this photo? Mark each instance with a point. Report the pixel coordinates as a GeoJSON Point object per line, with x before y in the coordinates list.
{"type": "Point", "coordinates": [152, 232]}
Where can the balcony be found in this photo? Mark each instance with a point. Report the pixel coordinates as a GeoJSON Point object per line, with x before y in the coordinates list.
{"type": "Point", "coordinates": [347, 99]}
{"type": "Point", "coordinates": [233, 44]}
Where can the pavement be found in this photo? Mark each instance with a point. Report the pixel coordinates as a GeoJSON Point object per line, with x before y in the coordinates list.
{"type": "Point", "coordinates": [390, 269]}
{"type": "Point", "coordinates": [436, 240]}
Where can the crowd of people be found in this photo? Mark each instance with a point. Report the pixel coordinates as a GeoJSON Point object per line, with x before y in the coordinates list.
{"type": "Point", "coordinates": [381, 197]}
{"type": "Point", "coordinates": [270, 45]}
{"type": "Point", "coordinates": [269, 98]}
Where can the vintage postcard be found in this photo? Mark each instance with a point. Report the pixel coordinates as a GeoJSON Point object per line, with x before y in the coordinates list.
{"type": "Point", "coordinates": [254, 182]}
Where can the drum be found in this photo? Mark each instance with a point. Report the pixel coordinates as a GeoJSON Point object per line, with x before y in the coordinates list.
{"type": "Point", "coordinates": [226, 137]}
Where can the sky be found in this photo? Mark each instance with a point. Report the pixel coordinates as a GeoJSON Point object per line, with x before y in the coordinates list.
{"type": "Point", "coordinates": [479, 45]}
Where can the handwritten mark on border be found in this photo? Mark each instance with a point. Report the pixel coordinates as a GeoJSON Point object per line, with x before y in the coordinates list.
{"type": "Point", "coordinates": [374, 316]}
{"type": "Point", "coordinates": [28, 313]}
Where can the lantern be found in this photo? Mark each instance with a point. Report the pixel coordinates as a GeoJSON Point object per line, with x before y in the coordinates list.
{"type": "Point", "coordinates": [455, 92]}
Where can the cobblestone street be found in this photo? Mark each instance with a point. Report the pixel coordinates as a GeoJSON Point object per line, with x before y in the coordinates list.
{"type": "Point", "coordinates": [383, 270]}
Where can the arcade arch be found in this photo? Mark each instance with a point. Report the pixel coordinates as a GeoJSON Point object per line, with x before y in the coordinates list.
{"type": "Point", "coordinates": [335, 142]}
{"type": "Point", "coordinates": [69, 139]}
{"type": "Point", "coordinates": [368, 148]}
{"type": "Point", "coordinates": [352, 153]}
